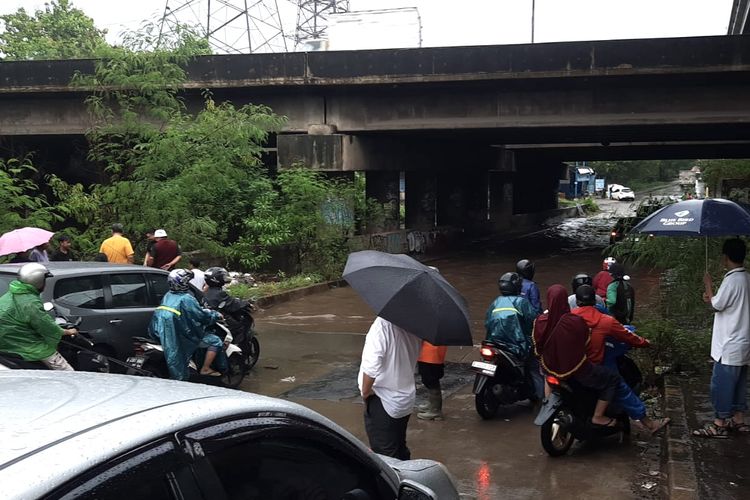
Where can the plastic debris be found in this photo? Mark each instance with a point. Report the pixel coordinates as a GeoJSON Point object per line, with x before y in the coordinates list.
{"type": "Point", "coordinates": [648, 486]}
{"type": "Point", "coordinates": [289, 379]}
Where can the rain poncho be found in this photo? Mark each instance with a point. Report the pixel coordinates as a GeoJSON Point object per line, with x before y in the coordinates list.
{"type": "Point", "coordinates": [509, 321]}
{"type": "Point", "coordinates": [179, 324]}
{"type": "Point", "coordinates": [25, 328]}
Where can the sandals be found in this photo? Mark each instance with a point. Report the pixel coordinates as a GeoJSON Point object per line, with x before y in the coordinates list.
{"type": "Point", "coordinates": [212, 373]}
{"type": "Point", "coordinates": [712, 431]}
{"type": "Point", "coordinates": [663, 422]}
{"type": "Point", "coordinates": [611, 424]}
{"type": "Point", "coordinates": [740, 428]}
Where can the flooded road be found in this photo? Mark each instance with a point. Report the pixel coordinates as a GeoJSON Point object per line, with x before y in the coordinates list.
{"type": "Point", "coordinates": [310, 351]}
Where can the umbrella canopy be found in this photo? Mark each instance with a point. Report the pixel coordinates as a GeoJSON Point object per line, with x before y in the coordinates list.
{"type": "Point", "coordinates": [710, 217]}
{"type": "Point", "coordinates": [410, 295]}
{"type": "Point", "coordinates": [20, 240]}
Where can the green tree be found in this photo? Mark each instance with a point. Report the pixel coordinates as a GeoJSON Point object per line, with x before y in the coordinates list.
{"type": "Point", "coordinates": [60, 31]}
{"type": "Point", "coordinates": [20, 202]}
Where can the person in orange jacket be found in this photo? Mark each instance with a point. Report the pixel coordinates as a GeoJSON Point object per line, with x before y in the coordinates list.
{"type": "Point", "coordinates": [431, 365]}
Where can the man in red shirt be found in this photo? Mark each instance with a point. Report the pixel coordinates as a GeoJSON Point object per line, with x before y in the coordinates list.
{"type": "Point", "coordinates": [603, 278]}
{"type": "Point", "coordinates": [165, 253]}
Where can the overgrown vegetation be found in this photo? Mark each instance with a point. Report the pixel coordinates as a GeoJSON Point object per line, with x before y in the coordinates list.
{"type": "Point", "coordinates": [640, 173]}
{"type": "Point", "coordinates": [680, 327]}
{"type": "Point", "coordinates": [243, 291]}
{"type": "Point", "coordinates": [198, 174]}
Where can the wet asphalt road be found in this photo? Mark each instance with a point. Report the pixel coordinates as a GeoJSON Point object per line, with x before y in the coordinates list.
{"type": "Point", "coordinates": [310, 351]}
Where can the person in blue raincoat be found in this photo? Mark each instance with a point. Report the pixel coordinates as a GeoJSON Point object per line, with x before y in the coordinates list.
{"type": "Point", "coordinates": [180, 323]}
{"type": "Point", "coordinates": [510, 322]}
{"type": "Point", "coordinates": [529, 290]}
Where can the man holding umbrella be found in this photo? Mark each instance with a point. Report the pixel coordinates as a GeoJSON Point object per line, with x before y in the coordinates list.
{"type": "Point", "coordinates": [730, 343]}
{"type": "Point", "coordinates": [413, 303]}
{"type": "Point", "coordinates": [386, 382]}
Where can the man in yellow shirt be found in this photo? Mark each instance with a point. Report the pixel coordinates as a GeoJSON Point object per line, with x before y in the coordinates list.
{"type": "Point", "coordinates": [117, 248]}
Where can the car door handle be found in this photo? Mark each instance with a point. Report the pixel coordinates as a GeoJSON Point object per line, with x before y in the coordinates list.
{"type": "Point", "coordinates": [115, 321]}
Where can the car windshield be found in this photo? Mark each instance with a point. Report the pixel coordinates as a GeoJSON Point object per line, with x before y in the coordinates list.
{"type": "Point", "coordinates": [5, 279]}
{"type": "Point", "coordinates": [627, 190]}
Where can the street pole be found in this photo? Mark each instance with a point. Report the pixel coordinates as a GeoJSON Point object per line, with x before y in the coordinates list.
{"type": "Point", "coordinates": [533, 9]}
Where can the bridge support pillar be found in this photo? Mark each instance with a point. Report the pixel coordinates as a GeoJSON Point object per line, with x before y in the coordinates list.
{"type": "Point", "coordinates": [383, 186]}
{"type": "Point", "coordinates": [421, 199]}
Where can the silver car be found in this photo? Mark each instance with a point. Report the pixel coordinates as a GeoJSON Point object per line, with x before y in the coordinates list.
{"type": "Point", "coordinates": [104, 436]}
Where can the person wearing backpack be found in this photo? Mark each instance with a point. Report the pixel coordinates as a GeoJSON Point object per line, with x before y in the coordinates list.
{"type": "Point", "coordinates": [620, 295]}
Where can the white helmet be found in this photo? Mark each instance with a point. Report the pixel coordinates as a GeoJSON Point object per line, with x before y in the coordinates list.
{"type": "Point", "coordinates": [33, 274]}
{"type": "Point", "coordinates": [608, 262]}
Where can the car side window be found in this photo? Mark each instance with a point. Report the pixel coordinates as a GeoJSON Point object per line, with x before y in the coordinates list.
{"type": "Point", "coordinates": [82, 291]}
{"type": "Point", "coordinates": [128, 290]}
{"type": "Point", "coordinates": [147, 474]}
{"type": "Point", "coordinates": [289, 468]}
{"type": "Point", "coordinates": [159, 287]}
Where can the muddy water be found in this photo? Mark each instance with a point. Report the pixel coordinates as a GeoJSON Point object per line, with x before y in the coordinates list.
{"type": "Point", "coordinates": [310, 351]}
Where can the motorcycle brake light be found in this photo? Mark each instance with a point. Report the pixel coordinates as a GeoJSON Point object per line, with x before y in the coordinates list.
{"type": "Point", "coordinates": [552, 380]}
{"type": "Point", "coordinates": [138, 349]}
{"type": "Point", "coordinates": [487, 352]}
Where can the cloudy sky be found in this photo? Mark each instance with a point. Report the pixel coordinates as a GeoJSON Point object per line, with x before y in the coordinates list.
{"type": "Point", "coordinates": [476, 22]}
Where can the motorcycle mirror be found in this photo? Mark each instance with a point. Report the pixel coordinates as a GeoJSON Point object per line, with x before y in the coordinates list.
{"type": "Point", "coordinates": [48, 306]}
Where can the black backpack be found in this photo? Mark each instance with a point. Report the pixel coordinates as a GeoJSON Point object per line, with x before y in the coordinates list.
{"type": "Point", "coordinates": [624, 306]}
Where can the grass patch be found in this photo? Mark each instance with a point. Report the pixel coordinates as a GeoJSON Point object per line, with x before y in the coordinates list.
{"type": "Point", "coordinates": [260, 290]}
{"type": "Point", "coordinates": [566, 203]}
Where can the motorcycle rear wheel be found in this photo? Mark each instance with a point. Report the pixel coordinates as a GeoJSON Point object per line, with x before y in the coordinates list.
{"type": "Point", "coordinates": [235, 373]}
{"type": "Point", "coordinates": [485, 402]}
{"type": "Point", "coordinates": [556, 439]}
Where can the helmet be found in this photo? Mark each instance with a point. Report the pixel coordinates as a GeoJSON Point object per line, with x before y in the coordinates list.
{"type": "Point", "coordinates": [585, 295]}
{"type": "Point", "coordinates": [607, 263]}
{"type": "Point", "coordinates": [179, 280]}
{"type": "Point", "coordinates": [580, 279]}
{"type": "Point", "coordinates": [509, 284]}
{"type": "Point", "coordinates": [216, 276]}
{"type": "Point", "coordinates": [33, 274]}
{"type": "Point", "coordinates": [525, 268]}
{"type": "Point", "coordinates": [617, 270]}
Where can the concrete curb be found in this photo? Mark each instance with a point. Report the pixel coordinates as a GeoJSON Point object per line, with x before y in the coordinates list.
{"type": "Point", "coordinates": [678, 466]}
{"type": "Point", "coordinates": [296, 293]}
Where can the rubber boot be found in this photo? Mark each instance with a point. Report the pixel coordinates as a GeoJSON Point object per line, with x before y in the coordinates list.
{"type": "Point", "coordinates": [435, 410]}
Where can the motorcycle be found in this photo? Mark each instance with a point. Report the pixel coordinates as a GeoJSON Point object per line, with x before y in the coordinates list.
{"type": "Point", "coordinates": [241, 325]}
{"type": "Point", "coordinates": [78, 350]}
{"type": "Point", "coordinates": [501, 379]}
{"type": "Point", "coordinates": [148, 358]}
{"type": "Point", "coordinates": [566, 412]}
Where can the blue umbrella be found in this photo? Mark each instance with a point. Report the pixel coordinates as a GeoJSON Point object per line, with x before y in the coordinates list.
{"type": "Point", "coordinates": [709, 217]}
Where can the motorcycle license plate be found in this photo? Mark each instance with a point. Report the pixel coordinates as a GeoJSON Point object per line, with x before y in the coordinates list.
{"type": "Point", "coordinates": [485, 368]}
{"type": "Point", "coordinates": [136, 361]}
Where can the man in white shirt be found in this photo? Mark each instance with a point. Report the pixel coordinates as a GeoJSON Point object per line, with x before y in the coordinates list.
{"type": "Point", "coordinates": [730, 343]}
{"type": "Point", "coordinates": [386, 382]}
{"type": "Point", "coordinates": [199, 280]}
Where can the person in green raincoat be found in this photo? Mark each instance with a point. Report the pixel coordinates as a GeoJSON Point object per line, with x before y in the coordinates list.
{"type": "Point", "coordinates": [180, 323]}
{"type": "Point", "coordinates": [510, 321]}
{"type": "Point", "coordinates": [26, 329]}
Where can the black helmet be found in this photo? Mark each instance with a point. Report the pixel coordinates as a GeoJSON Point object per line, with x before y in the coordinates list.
{"type": "Point", "coordinates": [525, 268]}
{"type": "Point", "coordinates": [509, 284]}
{"type": "Point", "coordinates": [585, 295]}
{"type": "Point", "coordinates": [216, 277]}
{"type": "Point", "coordinates": [617, 270]}
{"type": "Point", "coordinates": [580, 279]}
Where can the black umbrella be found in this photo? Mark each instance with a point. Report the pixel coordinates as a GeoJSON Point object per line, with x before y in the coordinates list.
{"type": "Point", "coordinates": [410, 295]}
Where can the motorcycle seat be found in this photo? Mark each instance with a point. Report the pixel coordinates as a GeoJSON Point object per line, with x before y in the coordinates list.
{"type": "Point", "coordinates": [145, 340]}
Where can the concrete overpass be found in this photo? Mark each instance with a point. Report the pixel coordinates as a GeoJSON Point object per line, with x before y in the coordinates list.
{"type": "Point", "coordinates": [482, 128]}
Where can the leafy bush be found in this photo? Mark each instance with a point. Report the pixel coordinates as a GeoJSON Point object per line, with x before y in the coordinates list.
{"type": "Point", "coordinates": [243, 291]}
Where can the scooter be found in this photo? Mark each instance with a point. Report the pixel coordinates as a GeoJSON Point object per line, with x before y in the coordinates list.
{"type": "Point", "coordinates": [501, 379]}
{"type": "Point", "coordinates": [148, 358]}
{"type": "Point", "coordinates": [78, 350]}
{"type": "Point", "coordinates": [566, 412]}
{"type": "Point", "coordinates": [241, 325]}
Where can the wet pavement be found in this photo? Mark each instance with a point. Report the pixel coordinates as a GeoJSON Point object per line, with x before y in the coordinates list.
{"type": "Point", "coordinates": [310, 351]}
{"type": "Point", "coordinates": [720, 465]}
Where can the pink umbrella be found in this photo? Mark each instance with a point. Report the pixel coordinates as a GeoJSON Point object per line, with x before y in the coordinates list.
{"type": "Point", "coordinates": [20, 240]}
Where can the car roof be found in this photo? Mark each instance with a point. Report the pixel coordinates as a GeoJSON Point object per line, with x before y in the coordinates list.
{"type": "Point", "coordinates": [50, 418]}
{"type": "Point", "coordinates": [74, 268]}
